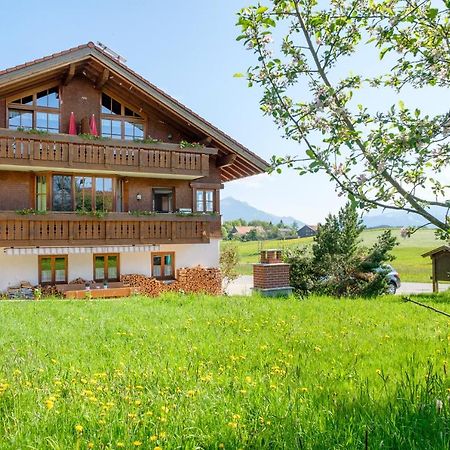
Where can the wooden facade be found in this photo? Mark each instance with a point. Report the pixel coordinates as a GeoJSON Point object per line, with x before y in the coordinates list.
{"type": "Point", "coordinates": [174, 158]}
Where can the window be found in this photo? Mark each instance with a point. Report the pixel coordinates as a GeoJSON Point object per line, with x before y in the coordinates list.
{"type": "Point", "coordinates": [204, 200]}
{"type": "Point", "coordinates": [119, 121]}
{"type": "Point", "coordinates": [162, 200]}
{"type": "Point", "coordinates": [39, 110]}
{"type": "Point", "coordinates": [80, 193]}
{"type": "Point", "coordinates": [62, 193]}
{"type": "Point", "coordinates": [163, 265]}
{"type": "Point", "coordinates": [83, 193]}
{"type": "Point", "coordinates": [106, 267]}
{"type": "Point", "coordinates": [41, 193]}
{"type": "Point", "coordinates": [103, 194]}
{"type": "Point", "coordinates": [52, 269]}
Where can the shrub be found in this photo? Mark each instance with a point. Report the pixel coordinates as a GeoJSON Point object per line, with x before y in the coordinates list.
{"type": "Point", "coordinates": [338, 264]}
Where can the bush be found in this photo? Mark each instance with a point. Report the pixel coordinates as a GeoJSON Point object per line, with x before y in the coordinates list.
{"type": "Point", "coordinates": [338, 264]}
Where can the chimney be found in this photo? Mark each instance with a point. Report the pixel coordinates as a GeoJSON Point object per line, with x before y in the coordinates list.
{"type": "Point", "coordinates": [271, 275]}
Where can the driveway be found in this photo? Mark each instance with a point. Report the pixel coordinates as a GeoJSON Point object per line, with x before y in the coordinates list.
{"type": "Point", "coordinates": [243, 286]}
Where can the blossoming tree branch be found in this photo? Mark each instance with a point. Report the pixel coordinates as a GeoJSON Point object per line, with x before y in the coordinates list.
{"type": "Point", "coordinates": [395, 158]}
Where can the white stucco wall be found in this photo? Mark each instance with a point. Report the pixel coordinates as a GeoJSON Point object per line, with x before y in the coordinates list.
{"type": "Point", "coordinates": [14, 269]}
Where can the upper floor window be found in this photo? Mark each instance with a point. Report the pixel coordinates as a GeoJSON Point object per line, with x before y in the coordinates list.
{"type": "Point", "coordinates": [120, 121]}
{"type": "Point", "coordinates": [38, 110]}
{"type": "Point", "coordinates": [204, 200]}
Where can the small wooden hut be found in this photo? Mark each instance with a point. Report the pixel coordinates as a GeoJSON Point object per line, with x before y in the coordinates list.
{"type": "Point", "coordinates": [440, 259]}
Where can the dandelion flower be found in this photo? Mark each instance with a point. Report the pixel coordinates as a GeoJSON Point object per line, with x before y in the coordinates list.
{"type": "Point", "coordinates": [49, 404]}
{"type": "Point", "coordinates": [153, 438]}
{"type": "Point", "coordinates": [91, 445]}
{"type": "Point", "coordinates": [79, 428]}
{"type": "Point", "coordinates": [137, 443]}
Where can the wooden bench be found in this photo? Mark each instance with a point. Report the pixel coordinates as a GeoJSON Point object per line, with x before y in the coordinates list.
{"type": "Point", "coordinates": [109, 292]}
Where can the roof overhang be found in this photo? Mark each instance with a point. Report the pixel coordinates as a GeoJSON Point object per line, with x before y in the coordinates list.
{"type": "Point", "coordinates": [441, 249]}
{"type": "Point", "coordinates": [242, 163]}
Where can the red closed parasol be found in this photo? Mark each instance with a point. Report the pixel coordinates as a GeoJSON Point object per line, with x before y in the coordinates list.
{"type": "Point", "coordinates": [93, 126]}
{"type": "Point", "coordinates": [72, 124]}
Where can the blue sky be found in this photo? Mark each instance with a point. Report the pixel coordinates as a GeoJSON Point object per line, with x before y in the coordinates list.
{"type": "Point", "coordinates": [188, 49]}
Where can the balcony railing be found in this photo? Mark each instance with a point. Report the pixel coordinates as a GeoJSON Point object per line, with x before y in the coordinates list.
{"type": "Point", "coordinates": [71, 229]}
{"type": "Point", "coordinates": [72, 152]}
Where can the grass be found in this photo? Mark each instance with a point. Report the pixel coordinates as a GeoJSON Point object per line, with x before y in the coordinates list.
{"type": "Point", "coordinates": [199, 372]}
{"type": "Point", "coordinates": [409, 262]}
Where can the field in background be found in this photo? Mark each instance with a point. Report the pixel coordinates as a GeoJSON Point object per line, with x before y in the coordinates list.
{"type": "Point", "coordinates": [409, 262]}
{"type": "Point", "coordinates": [234, 372]}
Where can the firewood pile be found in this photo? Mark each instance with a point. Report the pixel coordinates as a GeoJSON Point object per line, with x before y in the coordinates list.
{"type": "Point", "coordinates": [49, 291]}
{"type": "Point", "coordinates": [195, 279]}
{"type": "Point", "coordinates": [78, 281]}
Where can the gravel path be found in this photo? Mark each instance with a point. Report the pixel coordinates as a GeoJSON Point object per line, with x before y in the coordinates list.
{"type": "Point", "coordinates": [243, 285]}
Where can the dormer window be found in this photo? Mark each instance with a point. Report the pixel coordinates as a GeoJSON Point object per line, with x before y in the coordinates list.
{"type": "Point", "coordinates": [37, 110]}
{"type": "Point", "coordinates": [120, 121]}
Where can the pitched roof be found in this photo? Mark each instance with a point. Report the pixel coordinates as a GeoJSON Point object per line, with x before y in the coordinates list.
{"type": "Point", "coordinates": [241, 230]}
{"type": "Point", "coordinates": [442, 248]}
{"type": "Point", "coordinates": [312, 227]}
{"type": "Point", "coordinates": [247, 163]}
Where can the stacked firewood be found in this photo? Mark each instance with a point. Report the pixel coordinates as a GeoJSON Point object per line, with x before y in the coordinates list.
{"type": "Point", "coordinates": [49, 291]}
{"type": "Point", "coordinates": [199, 279]}
{"type": "Point", "coordinates": [196, 279]}
{"type": "Point", "coordinates": [78, 281]}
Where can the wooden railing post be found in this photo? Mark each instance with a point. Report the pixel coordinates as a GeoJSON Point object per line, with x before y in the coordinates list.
{"type": "Point", "coordinates": [173, 234]}
{"type": "Point", "coordinates": [70, 154]}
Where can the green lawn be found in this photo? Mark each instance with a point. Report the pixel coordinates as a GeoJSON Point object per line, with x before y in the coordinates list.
{"type": "Point", "coordinates": [191, 372]}
{"type": "Point", "coordinates": [408, 262]}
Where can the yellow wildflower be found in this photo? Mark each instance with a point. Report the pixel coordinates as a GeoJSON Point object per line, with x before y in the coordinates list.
{"type": "Point", "coordinates": [91, 445]}
{"type": "Point", "coordinates": [49, 404]}
{"type": "Point", "coordinates": [153, 438]}
{"type": "Point", "coordinates": [79, 428]}
{"type": "Point", "coordinates": [137, 443]}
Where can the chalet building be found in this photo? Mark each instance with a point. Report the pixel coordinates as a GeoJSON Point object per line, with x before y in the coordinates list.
{"type": "Point", "coordinates": [243, 230]}
{"type": "Point", "coordinates": [142, 197]}
{"type": "Point", "coordinates": [307, 231]}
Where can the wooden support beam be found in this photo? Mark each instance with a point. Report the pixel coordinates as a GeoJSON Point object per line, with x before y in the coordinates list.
{"type": "Point", "coordinates": [70, 74]}
{"type": "Point", "coordinates": [102, 79]}
{"type": "Point", "coordinates": [226, 160]}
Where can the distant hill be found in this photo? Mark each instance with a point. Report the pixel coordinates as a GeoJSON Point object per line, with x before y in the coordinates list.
{"type": "Point", "coordinates": [391, 218]}
{"type": "Point", "coordinates": [233, 209]}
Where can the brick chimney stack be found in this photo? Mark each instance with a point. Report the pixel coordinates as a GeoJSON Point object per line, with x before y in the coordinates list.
{"type": "Point", "coordinates": [271, 275]}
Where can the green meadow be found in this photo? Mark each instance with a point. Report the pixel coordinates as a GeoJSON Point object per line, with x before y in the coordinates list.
{"type": "Point", "coordinates": [196, 372]}
{"type": "Point", "coordinates": [408, 262]}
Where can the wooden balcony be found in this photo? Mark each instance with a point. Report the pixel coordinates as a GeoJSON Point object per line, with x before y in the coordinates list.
{"type": "Point", "coordinates": [72, 153]}
{"type": "Point", "coordinates": [71, 229]}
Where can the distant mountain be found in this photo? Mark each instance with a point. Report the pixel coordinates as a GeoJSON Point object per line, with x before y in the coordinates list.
{"type": "Point", "coordinates": [233, 209]}
{"type": "Point", "coordinates": [390, 218]}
